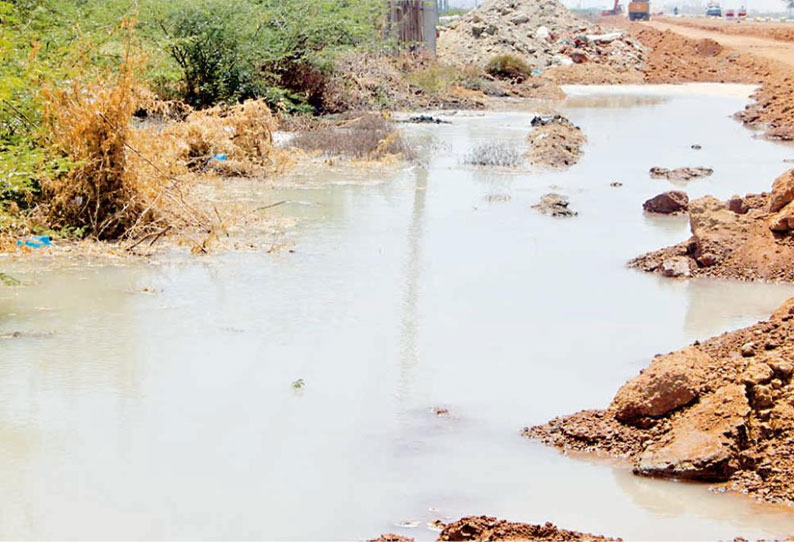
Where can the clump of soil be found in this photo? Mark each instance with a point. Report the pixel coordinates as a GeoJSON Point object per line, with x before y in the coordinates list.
{"type": "Point", "coordinates": [391, 537]}
{"type": "Point", "coordinates": [667, 203]}
{"type": "Point", "coordinates": [555, 205]}
{"type": "Point", "coordinates": [541, 33]}
{"type": "Point", "coordinates": [717, 411]}
{"type": "Point", "coordinates": [481, 528]}
{"type": "Point", "coordinates": [555, 142]}
{"type": "Point", "coordinates": [681, 173]}
{"type": "Point", "coordinates": [750, 238]}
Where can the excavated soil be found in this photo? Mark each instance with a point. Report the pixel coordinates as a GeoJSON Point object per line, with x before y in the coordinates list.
{"type": "Point", "coordinates": [555, 142]}
{"type": "Point", "coordinates": [674, 58]}
{"type": "Point", "coordinates": [717, 411]}
{"type": "Point", "coordinates": [542, 33]}
{"type": "Point", "coordinates": [767, 30]}
{"type": "Point", "coordinates": [748, 238]}
{"type": "Point", "coordinates": [483, 528]}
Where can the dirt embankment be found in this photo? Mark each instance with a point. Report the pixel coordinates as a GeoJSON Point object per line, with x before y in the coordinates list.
{"type": "Point", "coordinates": [766, 30]}
{"type": "Point", "coordinates": [674, 58]}
{"type": "Point", "coordinates": [482, 528]}
{"type": "Point", "coordinates": [746, 238]}
{"type": "Point", "coordinates": [718, 411]}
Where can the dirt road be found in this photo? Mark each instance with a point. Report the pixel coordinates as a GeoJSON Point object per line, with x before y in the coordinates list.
{"type": "Point", "coordinates": [780, 51]}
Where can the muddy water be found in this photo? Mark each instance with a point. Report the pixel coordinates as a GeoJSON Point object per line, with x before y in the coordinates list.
{"type": "Point", "coordinates": [156, 401]}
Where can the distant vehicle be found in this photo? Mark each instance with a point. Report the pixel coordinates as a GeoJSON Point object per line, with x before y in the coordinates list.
{"type": "Point", "coordinates": [742, 14]}
{"type": "Point", "coordinates": [713, 10]}
{"type": "Point", "coordinates": [617, 9]}
{"type": "Point", "coordinates": [729, 15]}
{"type": "Point", "coordinates": [640, 10]}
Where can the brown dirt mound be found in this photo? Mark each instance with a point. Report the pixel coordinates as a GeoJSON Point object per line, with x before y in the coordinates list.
{"type": "Point", "coordinates": [555, 143]}
{"type": "Point", "coordinates": [676, 59]}
{"type": "Point", "coordinates": [746, 238]}
{"type": "Point", "coordinates": [718, 411]}
{"type": "Point", "coordinates": [489, 528]}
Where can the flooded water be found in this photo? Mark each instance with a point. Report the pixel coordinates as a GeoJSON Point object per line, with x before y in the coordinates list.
{"type": "Point", "coordinates": [157, 401]}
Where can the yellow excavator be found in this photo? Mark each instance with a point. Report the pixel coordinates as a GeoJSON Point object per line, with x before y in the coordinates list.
{"type": "Point", "coordinates": [640, 10]}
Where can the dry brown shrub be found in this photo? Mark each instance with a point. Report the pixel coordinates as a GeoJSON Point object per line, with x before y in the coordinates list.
{"type": "Point", "coordinates": [370, 137]}
{"type": "Point", "coordinates": [243, 133]}
{"type": "Point", "coordinates": [111, 188]}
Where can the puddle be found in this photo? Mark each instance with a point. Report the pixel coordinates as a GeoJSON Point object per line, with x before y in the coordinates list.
{"type": "Point", "coordinates": [160, 401]}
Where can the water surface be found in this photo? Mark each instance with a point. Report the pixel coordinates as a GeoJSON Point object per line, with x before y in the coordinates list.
{"type": "Point", "coordinates": [156, 401]}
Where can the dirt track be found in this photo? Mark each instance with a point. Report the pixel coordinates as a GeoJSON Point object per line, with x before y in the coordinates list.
{"type": "Point", "coordinates": [781, 51]}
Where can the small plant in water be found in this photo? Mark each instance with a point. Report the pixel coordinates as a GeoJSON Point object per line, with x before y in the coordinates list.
{"type": "Point", "coordinates": [298, 384]}
{"type": "Point", "coordinates": [493, 154]}
{"type": "Point", "coordinates": [8, 280]}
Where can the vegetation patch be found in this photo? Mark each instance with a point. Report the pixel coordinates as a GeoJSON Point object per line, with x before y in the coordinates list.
{"type": "Point", "coordinates": [508, 67]}
{"type": "Point", "coordinates": [367, 137]}
{"type": "Point", "coordinates": [493, 154]}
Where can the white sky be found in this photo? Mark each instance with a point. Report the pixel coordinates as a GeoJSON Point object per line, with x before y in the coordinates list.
{"type": "Point", "coordinates": [760, 5]}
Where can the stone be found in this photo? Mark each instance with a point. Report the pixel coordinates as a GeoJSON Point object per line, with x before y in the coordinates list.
{"type": "Point", "coordinates": [671, 381]}
{"type": "Point", "coordinates": [667, 203]}
{"type": "Point", "coordinates": [704, 443]}
{"type": "Point", "coordinates": [677, 266]}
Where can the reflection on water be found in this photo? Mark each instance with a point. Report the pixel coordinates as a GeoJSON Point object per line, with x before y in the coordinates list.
{"type": "Point", "coordinates": [161, 405]}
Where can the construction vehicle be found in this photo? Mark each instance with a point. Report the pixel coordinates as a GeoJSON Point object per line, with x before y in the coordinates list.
{"type": "Point", "coordinates": [640, 10]}
{"type": "Point", "coordinates": [713, 10]}
{"type": "Point", "coordinates": [617, 9]}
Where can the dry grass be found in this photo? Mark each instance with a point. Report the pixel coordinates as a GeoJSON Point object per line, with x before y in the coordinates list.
{"type": "Point", "coordinates": [368, 137]}
{"type": "Point", "coordinates": [493, 154]}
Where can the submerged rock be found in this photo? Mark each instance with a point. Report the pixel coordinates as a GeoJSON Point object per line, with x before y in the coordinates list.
{"type": "Point", "coordinates": [680, 174]}
{"type": "Point", "coordinates": [555, 205]}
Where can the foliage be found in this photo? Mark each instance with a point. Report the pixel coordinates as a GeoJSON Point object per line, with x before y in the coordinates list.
{"type": "Point", "coordinates": [508, 67]}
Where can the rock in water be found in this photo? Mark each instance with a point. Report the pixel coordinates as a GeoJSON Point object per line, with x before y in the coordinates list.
{"type": "Point", "coordinates": [555, 205]}
{"type": "Point", "coordinates": [680, 174]}
{"type": "Point", "coordinates": [667, 203]}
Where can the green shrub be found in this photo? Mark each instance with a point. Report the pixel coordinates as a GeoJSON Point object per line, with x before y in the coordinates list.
{"type": "Point", "coordinates": [508, 67]}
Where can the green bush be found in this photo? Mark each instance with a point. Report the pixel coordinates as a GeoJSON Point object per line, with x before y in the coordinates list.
{"type": "Point", "coordinates": [508, 67]}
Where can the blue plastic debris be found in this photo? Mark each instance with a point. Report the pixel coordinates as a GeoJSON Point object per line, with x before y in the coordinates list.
{"type": "Point", "coordinates": [219, 157]}
{"type": "Point", "coordinates": [36, 241]}
{"type": "Point", "coordinates": [537, 71]}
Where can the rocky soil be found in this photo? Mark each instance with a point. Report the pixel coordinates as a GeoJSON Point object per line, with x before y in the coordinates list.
{"type": "Point", "coordinates": [746, 238]}
{"type": "Point", "coordinates": [555, 205]}
{"type": "Point", "coordinates": [555, 142]}
{"type": "Point", "coordinates": [717, 411]}
{"type": "Point", "coordinates": [681, 174]}
{"type": "Point", "coordinates": [483, 528]}
{"type": "Point", "coordinates": [543, 33]}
